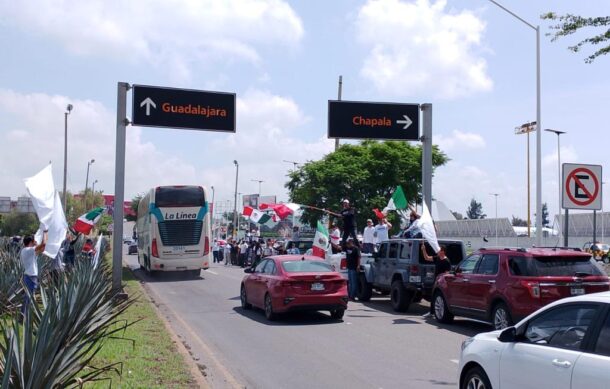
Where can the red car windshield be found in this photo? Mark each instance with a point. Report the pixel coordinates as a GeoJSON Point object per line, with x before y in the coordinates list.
{"type": "Point", "coordinates": [554, 266]}
{"type": "Point", "coordinates": [305, 266]}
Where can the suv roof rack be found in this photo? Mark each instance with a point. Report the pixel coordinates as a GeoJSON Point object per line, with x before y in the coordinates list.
{"type": "Point", "coordinates": [520, 249]}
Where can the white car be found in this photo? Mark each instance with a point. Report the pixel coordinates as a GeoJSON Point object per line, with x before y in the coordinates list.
{"type": "Point", "coordinates": [565, 344]}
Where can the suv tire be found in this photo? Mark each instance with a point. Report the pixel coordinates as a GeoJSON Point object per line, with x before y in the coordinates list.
{"type": "Point", "coordinates": [440, 309]}
{"type": "Point", "coordinates": [365, 290]}
{"type": "Point", "coordinates": [476, 378]}
{"type": "Point", "coordinates": [400, 296]}
{"type": "Point", "coordinates": [501, 317]}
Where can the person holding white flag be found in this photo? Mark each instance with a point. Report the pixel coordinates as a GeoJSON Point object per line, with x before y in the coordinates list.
{"type": "Point", "coordinates": [29, 259]}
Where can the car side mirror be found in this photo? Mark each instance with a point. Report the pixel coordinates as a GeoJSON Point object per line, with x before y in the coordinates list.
{"type": "Point", "coordinates": [508, 335]}
{"type": "Point", "coordinates": [248, 270]}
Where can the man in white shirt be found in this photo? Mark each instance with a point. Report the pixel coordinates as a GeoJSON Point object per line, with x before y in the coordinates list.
{"type": "Point", "coordinates": [215, 248]}
{"type": "Point", "coordinates": [382, 229]}
{"type": "Point", "coordinates": [29, 259]}
{"type": "Point", "coordinates": [243, 250]}
{"type": "Point", "coordinates": [368, 238]}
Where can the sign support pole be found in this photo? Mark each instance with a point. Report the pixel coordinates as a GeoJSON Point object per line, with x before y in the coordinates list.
{"type": "Point", "coordinates": [339, 99]}
{"type": "Point", "coordinates": [119, 187]}
{"type": "Point", "coordinates": [594, 226]}
{"type": "Point", "coordinates": [427, 155]}
{"type": "Point", "coordinates": [566, 229]}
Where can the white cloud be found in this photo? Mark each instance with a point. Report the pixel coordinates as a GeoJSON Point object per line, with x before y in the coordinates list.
{"type": "Point", "coordinates": [459, 140]}
{"type": "Point", "coordinates": [172, 34]}
{"type": "Point", "coordinates": [420, 47]}
{"type": "Point", "coordinates": [568, 154]}
{"type": "Point", "coordinates": [267, 134]}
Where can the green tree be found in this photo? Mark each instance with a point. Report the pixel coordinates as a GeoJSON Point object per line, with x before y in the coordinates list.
{"type": "Point", "coordinates": [135, 202]}
{"type": "Point", "coordinates": [518, 222]}
{"type": "Point", "coordinates": [16, 223]}
{"type": "Point", "coordinates": [569, 24]}
{"type": "Point", "coordinates": [475, 210]}
{"type": "Point", "coordinates": [545, 215]}
{"type": "Point", "coordinates": [365, 173]}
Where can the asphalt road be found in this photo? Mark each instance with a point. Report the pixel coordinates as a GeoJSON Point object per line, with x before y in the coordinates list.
{"type": "Point", "coordinates": [373, 347]}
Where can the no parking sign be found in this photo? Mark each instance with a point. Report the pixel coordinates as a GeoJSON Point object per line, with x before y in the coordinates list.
{"type": "Point", "coordinates": [582, 186]}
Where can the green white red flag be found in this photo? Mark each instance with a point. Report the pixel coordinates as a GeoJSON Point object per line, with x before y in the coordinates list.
{"type": "Point", "coordinates": [259, 217]}
{"type": "Point", "coordinates": [84, 224]}
{"type": "Point", "coordinates": [320, 241]}
{"type": "Point", "coordinates": [281, 210]}
{"type": "Point", "coordinates": [398, 200]}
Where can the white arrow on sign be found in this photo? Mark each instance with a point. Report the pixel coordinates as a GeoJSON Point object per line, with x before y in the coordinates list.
{"type": "Point", "coordinates": [148, 102]}
{"type": "Point", "coordinates": [407, 122]}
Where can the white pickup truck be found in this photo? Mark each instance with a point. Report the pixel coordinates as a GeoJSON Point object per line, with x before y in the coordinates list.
{"type": "Point", "coordinates": [339, 262]}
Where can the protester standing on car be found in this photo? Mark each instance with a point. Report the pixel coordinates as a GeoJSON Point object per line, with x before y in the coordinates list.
{"type": "Point", "coordinates": [348, 214]}
{"type": "Point", "coordinates": [381, 230]}
{"type": "Point", "coordinates": [368, 237]}
{"type": "Point", "coordinates": [28, 255]}
{"type": "Point", "coordinates": [352, 256]}
{"type": "Point", "coordinates": [413, 230]}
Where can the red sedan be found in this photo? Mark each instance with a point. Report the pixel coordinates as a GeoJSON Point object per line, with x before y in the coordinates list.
{"type": "Point", "coordinates": [294, 283]}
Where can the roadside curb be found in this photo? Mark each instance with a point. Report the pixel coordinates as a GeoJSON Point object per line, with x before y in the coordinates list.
{"type": "Point", "coordinates": [195, 370]}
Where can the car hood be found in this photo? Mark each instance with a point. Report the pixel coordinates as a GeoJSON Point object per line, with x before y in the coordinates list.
{"type": "Point", "coordinates": [492, 335]}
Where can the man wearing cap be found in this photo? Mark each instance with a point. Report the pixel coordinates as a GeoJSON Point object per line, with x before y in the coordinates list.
{"type": "Point", "coordinates": [349, 222]}
{"type": "Point", "coordinates": [368, 237]}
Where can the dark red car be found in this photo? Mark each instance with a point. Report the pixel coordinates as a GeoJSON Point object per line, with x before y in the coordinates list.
{"type": "Point", "coordinates": [294, 283]}
{"type": "Point", "coordinates": [502, 286]}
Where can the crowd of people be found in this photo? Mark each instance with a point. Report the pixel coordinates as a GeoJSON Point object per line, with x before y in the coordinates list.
{"type": "Point", "coordinates": [248, 252]}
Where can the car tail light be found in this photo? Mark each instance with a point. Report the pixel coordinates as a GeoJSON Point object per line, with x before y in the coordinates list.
{"type": "Point", "coordinates": [155, 250]}
{"type": "Point", "coordinates": [206, 246]}
{"type": "Point", "coordinates": [343, 264]}
{"type": "Point", "coordinates": [532, 287]}
{"type": "Point", "coordinates": [414, 270]}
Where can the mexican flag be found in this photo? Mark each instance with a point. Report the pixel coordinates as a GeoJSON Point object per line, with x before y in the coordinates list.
{"type": "Point", "coordinates": [84, 224]}
{"type": "Point", "coordinates": [398, 200]}
{"type": "Point", "coordinates": [247, 211]}
{"type": "Point", "coordinates": [281, 210]}
{"type": "Point", "coordinates": [259, 217]}
{"type": "Point", "coordinates": [320, 241]}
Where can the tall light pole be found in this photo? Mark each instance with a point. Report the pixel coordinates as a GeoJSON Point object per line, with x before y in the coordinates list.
{"type": "Point", "coordinates": [496, 196]}
{"type": "Point", "coordinates": [559, 180]}
{"type": "Point", "coordinates": [294, 163]}
{"type": "Point", "coordinates": [235, 205]}
{"type": "Point", "coordinates": [526, 128]}
{"type": "Point", "coordinates": [259, 185]}
{"type": "Point", "coordinates": [89, 163]}
{"type": "Point", "coordinates": [212, 210]}
{"type": "Point", "coordinates": [68, 110]}
{"type": "Point", "coordinates": [538, 125]}
{"type": "Point", "coordinates": [93, 188]}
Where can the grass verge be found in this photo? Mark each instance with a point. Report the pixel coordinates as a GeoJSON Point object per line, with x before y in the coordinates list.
{"type": "Point", "coordinates": [149, 356]}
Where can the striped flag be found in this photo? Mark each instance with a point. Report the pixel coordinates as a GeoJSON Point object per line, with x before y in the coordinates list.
{"type": "Point", "coordinates": [84, 224]}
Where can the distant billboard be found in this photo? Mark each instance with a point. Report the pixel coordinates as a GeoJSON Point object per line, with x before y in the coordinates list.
{"type": "Point", "coordinates": [267, 200]}
{"type": "Point", "coordinates": [251, 200]}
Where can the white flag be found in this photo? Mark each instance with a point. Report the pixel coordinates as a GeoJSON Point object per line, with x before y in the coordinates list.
{"type": "Point", "coordinates": [98, 248]}
{"type": "Point", "coordinates": [426, 225]}
{"type": "Point", "coordinates": [48, 209]}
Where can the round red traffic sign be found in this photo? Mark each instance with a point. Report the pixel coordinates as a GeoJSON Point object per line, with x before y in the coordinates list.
{"type": "Point", "coordinates": [590, 197]}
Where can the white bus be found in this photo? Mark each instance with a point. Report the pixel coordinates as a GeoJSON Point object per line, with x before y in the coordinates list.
{"type": "Point", "coordinates": [173, 228]}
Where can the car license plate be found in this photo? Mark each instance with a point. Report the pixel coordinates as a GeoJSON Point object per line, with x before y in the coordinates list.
{"type": "Point", "coordinates": [414, 278]}
{"type": "Point", "coordinates": [178, 249]}
{"type": "Point", "coordinates": [578, 291]}
{"type": "Point", "coordinates": [317, 286]}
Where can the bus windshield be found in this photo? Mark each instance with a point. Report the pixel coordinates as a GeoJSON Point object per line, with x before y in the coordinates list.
{"type": "Point", "coordinates": [173, 196]}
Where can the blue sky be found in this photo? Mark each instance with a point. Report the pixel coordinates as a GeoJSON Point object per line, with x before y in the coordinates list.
{"type": "Point", "coordinates": [471, 60]}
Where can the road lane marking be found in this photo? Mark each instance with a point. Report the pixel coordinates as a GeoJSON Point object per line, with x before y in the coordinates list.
{"type": "Point", "coordinates": [455, 361]}
{"type": "Point", "coordinates": [213, 272]}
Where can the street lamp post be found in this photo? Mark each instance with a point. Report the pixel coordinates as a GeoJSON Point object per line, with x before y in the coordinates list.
{"type": "Point", "coordinates": [294, 163]}
{"type": "Point", "coordinates": [496, 196]}
{"type": "Point", "coordinates": [93, 188]}
{"type": "Point", "coordinates": [212, 210]}
{"type": "Point", "coordinates": [68, 110]}
{"type": "Point", "coordinates": [259, 185]}
{"type": "Point", "coordinates": [558, 133]}
{"type": "Point", "coordinates": [538, 125]}
{"type": "Point", "coordinates": [235, 205]}
{"type": "Point", "coordinates": [526, 128]}
{"type": "Point", "coordinates": [89, 163]}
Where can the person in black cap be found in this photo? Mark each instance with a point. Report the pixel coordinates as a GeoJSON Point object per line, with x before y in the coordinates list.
{"type": "Point", "coordinates": [348, 214]}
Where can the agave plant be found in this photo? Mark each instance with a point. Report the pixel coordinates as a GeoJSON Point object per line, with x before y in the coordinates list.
{"type": "Point", "coordinates": [61, 334]}
{"type": "Point", "coordinates": [11, 273]}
